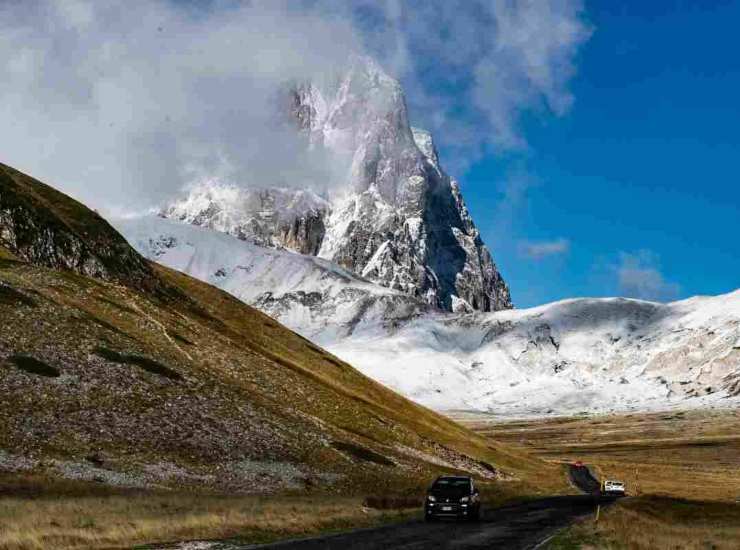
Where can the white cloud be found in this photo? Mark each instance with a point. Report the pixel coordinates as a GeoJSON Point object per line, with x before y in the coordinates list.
{"type": "Point", "coordinates": [121, 103]}
{"type": "Point", "coordinates": [476, 66]}
{"type": "Point", "coordinates": [639, 276]}
{"type": "Point", "coordinates": [543, 249]}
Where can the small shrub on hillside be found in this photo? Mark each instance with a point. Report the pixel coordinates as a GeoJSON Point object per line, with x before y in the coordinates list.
{"type": "Point", "coordinates": [145, 363]}
{"type": "Point", "coordinates": [34, 366]}
{"type": "Point", "coordinates": [12, 297]}
{"type": "Point", "coordinates": [180, 338]}
{"type": "Point", "coordinates": [392, 503]}
{"type": "Point", "coordinates": [362, 453]}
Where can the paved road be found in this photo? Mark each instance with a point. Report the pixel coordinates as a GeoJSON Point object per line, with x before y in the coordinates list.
{"type": "Point", "coordinates": [519, 526]}
{"type": "Point", "coordinates": [582, 478]}
{"type": "Point", "coordinates": [513, 527]}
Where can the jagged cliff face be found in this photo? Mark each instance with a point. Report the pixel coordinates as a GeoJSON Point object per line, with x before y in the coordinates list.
{"type": "Point", "coordinates": [280, 218]}
{"type": "Point", "coordinates": [396, 218]}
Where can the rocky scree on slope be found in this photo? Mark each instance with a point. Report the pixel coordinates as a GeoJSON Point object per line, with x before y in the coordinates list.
{"type": "Point", "coordinates": [396, 218]}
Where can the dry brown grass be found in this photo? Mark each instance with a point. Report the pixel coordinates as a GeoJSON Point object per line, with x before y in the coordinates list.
{"type": "Point", "coordinates": [655, 523]}
{"type": "Point", "coordinates": [692, 454]}
{"type": "Point", "coordinates": [38, 511]}
{"type": "Point", "coordinates": [124, 520]}
{"type": "Point", "coordinates": [683, 468]}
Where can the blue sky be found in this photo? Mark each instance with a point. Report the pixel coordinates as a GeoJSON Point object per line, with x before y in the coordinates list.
{"type": "Point", "coordinates": [637, 188]}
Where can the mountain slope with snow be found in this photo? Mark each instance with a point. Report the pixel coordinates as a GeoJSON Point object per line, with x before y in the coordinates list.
{"type": "Point", "coordinates": [386, 268]}
{"type": "Point", "coordinates": [584, 355]}
{"type": "Point", "coordinates": [318, 299]}
{"type": "Point", "coordinates": [608, 354]}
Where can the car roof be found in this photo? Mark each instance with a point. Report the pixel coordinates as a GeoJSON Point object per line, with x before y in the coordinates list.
{"type": "Point", "coordinates": [455, 478]}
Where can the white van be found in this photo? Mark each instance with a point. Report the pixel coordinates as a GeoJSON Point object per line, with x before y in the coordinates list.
{"type": "Point", "coordinates": [611, 487]}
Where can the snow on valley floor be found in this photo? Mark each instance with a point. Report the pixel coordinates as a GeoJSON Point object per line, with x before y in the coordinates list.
{"type": "Point", "coordinates": [569, 357]}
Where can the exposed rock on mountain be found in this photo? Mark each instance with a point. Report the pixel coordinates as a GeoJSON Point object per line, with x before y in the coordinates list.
{"type": "Point", "coordinates": [281, 218]}
{"type": "Point", "coordinates": [396, 217]}
{"type": "Point", "coordinates": [40, 225]}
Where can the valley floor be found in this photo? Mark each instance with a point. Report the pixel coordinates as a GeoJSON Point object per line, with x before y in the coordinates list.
{"type": "Point", "coordinates": [682, 470]}
{"type": "Point", "coordinates": [38, 513]}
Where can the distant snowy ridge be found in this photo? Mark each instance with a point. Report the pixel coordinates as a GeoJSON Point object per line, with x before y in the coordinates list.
{"type": "Point", "coordinates": [581, 355]}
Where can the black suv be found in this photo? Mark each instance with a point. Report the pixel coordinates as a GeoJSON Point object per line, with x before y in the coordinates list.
{"type": "Point", "coordinates": [454, 497]}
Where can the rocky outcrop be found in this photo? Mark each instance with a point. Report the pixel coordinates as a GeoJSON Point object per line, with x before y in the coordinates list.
{"type": "Point", "coordinates": [278, 217]}
{"type": "Point", "coordinates": [44, 227]}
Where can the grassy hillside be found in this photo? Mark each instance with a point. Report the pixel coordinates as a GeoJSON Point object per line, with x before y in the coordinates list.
{"type": "Point", "coordinates": [174, 384]}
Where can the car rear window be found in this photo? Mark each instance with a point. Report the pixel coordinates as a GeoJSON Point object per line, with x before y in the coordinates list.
{"type": "Point", "coordinates": [451, 483]}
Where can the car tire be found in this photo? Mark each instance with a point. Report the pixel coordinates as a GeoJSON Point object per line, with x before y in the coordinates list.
{"type": "Point", "coordinates": [430, 518]}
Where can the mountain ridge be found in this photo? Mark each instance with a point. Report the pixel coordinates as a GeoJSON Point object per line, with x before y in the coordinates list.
{"type": "Point", "coordinates": [41, 225]}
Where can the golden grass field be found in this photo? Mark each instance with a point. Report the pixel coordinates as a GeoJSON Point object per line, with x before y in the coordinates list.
{"type": "Point", "coordinates": [121, 521]}
{"type": "Point", "coordinates": [647, 523]}
{"type": "Point", "coordinates": [682, 470]}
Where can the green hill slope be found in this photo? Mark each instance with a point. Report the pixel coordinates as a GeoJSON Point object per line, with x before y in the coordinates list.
{"type": "Point", "coordinates": [124, 372]}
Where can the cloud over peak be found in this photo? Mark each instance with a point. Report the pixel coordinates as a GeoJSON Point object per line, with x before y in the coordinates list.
{"type": "Point", "coordinates": [121, 104]}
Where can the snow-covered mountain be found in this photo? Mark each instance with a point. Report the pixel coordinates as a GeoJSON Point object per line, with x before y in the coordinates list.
{"type": "Point", "coordinates": [386, 269]}
{"type": "Point", "coordinates": [582, 355]}
{"type": "Point", "coordinates": [568, 357]}
{"type": "Point", "coordinates": [393, 216]}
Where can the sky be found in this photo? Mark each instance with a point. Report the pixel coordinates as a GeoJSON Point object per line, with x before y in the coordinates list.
{"type": "Point", "coordinates": [635, 191]}
{"type": "Point", "coordinates": [594, 142]}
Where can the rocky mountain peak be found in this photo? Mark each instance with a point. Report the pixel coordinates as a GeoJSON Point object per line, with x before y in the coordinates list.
{"type": "Point", "coordinates": [395, 217]}
{"type": "Point", "coordinates": [273, 217]}
{"type": "Point", "coordinates": [425, 143]}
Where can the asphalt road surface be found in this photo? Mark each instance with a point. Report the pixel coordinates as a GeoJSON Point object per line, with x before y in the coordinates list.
{"type": "Point", "coordinates": [582, 478]}
{"type": "Point", "coordinates": [520, 526]}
